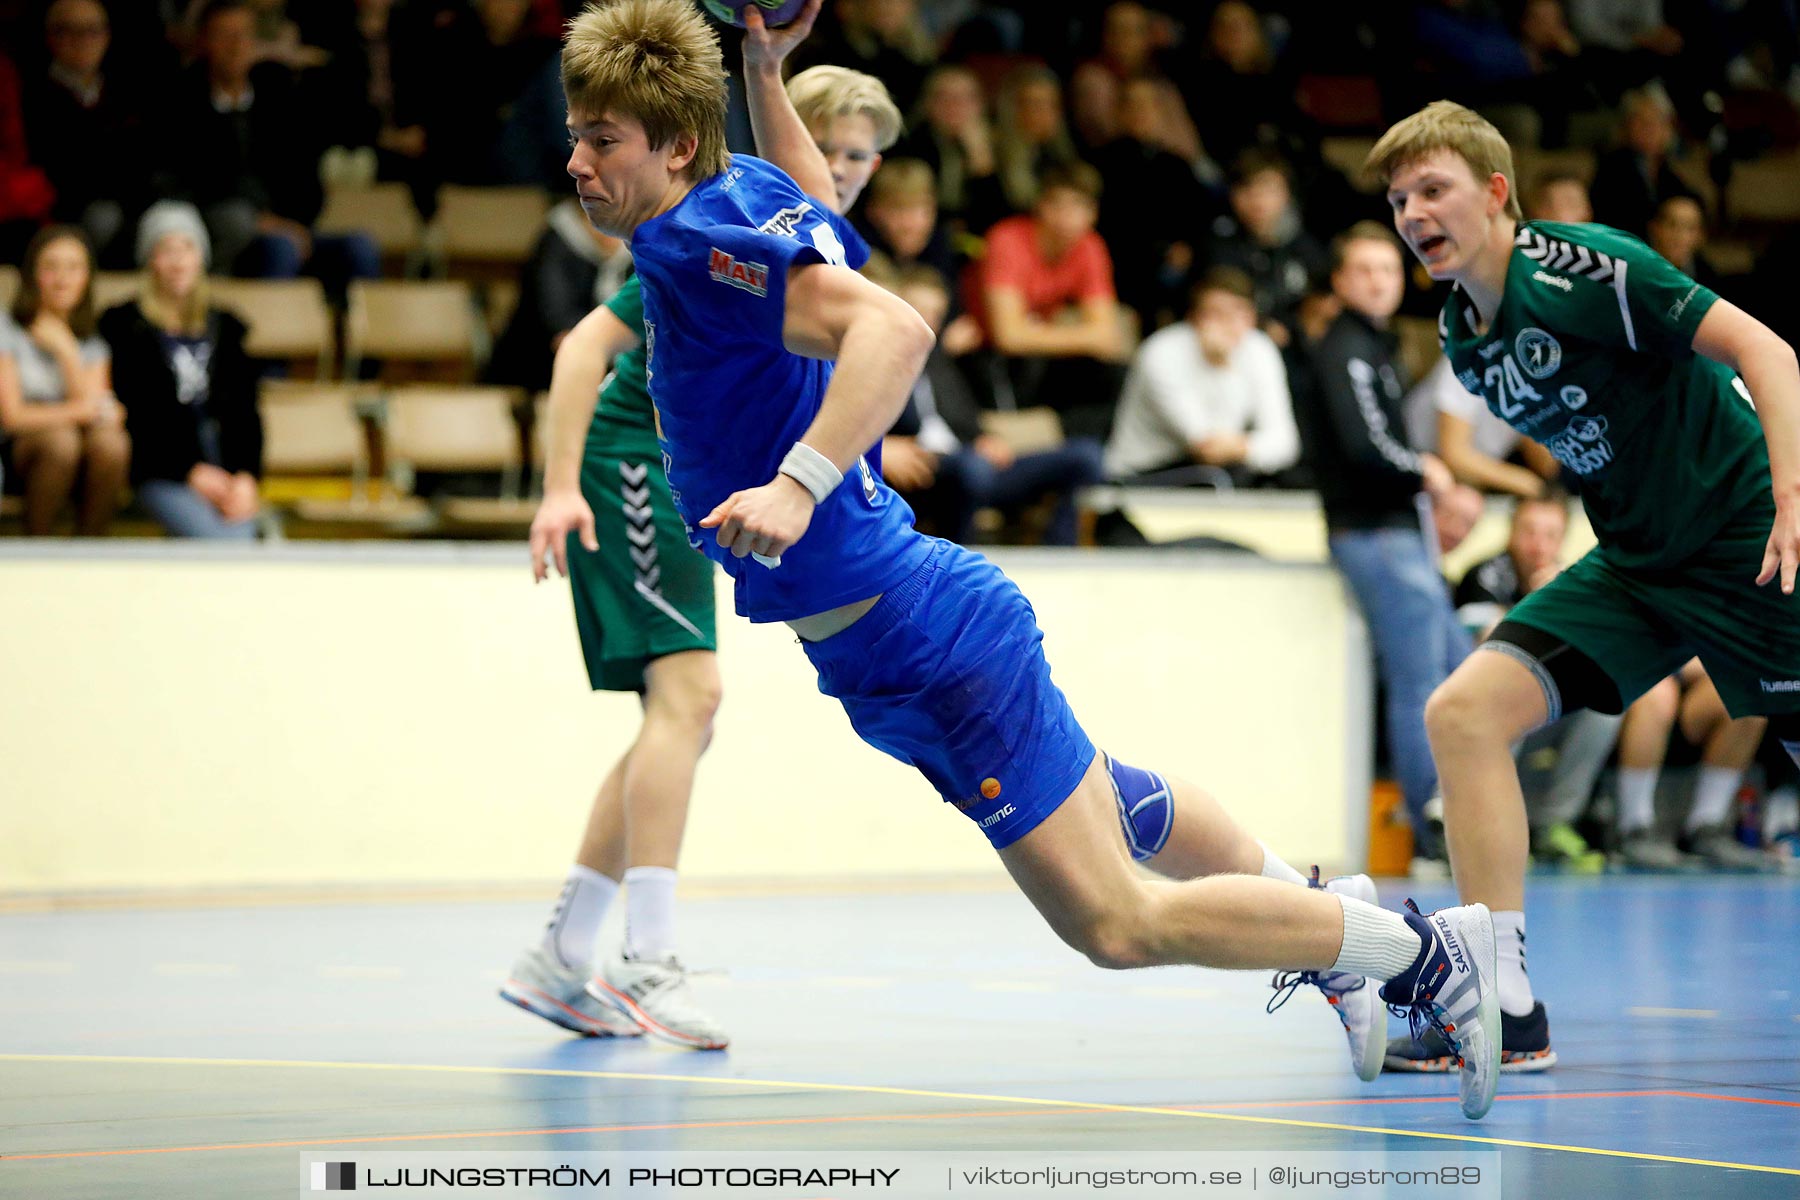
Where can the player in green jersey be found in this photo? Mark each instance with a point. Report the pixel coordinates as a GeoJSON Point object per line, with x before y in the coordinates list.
{"type": "Point", "coordinates": [1640, 381]}
{"type": "Point", "coordinates": [644, 596]}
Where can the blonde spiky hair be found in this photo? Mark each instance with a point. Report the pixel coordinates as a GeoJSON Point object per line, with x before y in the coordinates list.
{"type": "Point", "coordinates": [1446, 125]}
{"type": "Point", "coordinates": [656, 61]}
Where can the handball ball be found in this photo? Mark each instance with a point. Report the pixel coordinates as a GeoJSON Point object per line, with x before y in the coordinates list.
{"type": "Point", "coordinates": [774, 12]}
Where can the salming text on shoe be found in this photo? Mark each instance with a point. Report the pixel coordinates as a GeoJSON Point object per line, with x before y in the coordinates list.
{"type": "Point", "coordinates": [654, 993]}
{"type": "Point", "coordinates": [1524, 1047]}
{"type": "Point", "coordinates": [1352, 997]}
{"type": "Point", "coordinates": [1453, 988]}
{"type": "Point", "coordinates": [539, 984]}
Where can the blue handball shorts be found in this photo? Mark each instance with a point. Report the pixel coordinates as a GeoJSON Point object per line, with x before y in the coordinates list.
{"type": "Point", "coordinates": [947, 673]}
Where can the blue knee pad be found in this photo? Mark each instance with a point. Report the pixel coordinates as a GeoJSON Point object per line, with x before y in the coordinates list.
{"type": "Point", "coordinates": [1146, 808]}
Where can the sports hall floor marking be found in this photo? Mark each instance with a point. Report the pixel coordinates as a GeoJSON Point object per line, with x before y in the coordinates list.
{"type": "Point", "coordinates": [870, 1089]}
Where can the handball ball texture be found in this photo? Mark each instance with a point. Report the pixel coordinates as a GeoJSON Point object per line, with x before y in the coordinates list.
{"type": "Point", "coordinates": [774, 12]}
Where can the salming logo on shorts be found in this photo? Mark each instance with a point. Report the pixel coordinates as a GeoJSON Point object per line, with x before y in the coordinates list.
{"type": "Point", "coordinates": [640, 532]}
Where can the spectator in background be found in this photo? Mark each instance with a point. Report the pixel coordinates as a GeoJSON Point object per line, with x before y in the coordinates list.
{"type": "Point", "coordinates": [370, 91]}
{"type": "Point", "coordinates": [1262, 237]}
{"type": "Point", "coordinates": [882, 38]}
{"type": "Point", "coordinates": [1044, 294]}
{"type": "Point", "coordinates": [1629, 41]}
{"type": "Point", "coordinates": [573, 269]}
{"type": "Point", "coordinates": [1561, 84]}
{"type": "Point", "coordinates": [1678, 233]}
{"type": "Point", "coordinates": [1128, 53]}
{"type": "Point", "coordinates": [72, 108]}
{"type": "Point", "coordinates": [1372, 483]}
{"type": "Point", "coordinates": [481, 56]}
{"type": "Point", "coordinates": [953, 136]}
{"type": "Point", "coordinates": [1030, 137]}
{"type": "Point", "coordinates": [56, 401]}
{"type": "Point", "coordinates": [1560, 763]}
{"type": "Point", "coordinates": [244, 150]}
{"type": "Point", "coordinates": [1559, 196]}
{"type": "Point", "coordinates": [1634, 178]}
{"type": "Point", "coordinates": [948, 469]}
{"type": "Point", "coordinates": [1157, 211]}
{"type": "Point", "coordinates": [1687, 700]}
{"type": "Point", "coordinates": [1210, 391]}
{"type": "Point", "coordinates": [26, 195]}
{"type": "Point", "coordinates": [900, 218]}
{"type": "Point", "coordinates": [188, 387]}
{"type": "Point", "coordinates": [1241, 95]}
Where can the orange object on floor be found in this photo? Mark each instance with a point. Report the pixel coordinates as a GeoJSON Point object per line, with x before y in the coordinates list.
{"type": "Point", "coordinates": [1390, 833]}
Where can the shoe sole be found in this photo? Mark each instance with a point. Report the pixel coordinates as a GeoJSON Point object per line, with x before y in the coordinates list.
{"type": "Point", "coordinates": [542, 1004]}
{"type": "Point", "coordinates": [1476, 1100]}
{"type": "Point", "coordinates": [1512, 1062]}
{"type": "Point", "coordinates": [599, 989]}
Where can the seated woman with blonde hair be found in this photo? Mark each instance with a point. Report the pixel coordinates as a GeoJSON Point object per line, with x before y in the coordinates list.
{"type": "Point", "coordinates": [56, 403]}
{"type": "Point", "coordinates": [188, 387]}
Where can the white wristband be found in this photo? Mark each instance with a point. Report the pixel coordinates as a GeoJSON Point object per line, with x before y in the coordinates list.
{"type": "Point", "coordinates": [812, 471]}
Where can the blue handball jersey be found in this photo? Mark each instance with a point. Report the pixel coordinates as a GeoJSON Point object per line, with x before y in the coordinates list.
{"type": "Point", "coordinates": [731, 400]}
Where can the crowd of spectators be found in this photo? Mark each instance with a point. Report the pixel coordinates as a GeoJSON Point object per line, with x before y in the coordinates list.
{"type": "Point", "coordinates": [1128, 214]}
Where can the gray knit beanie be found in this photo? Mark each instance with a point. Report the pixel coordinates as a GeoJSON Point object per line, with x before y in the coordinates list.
{"type": "Point", "coordinates": [171, 216]}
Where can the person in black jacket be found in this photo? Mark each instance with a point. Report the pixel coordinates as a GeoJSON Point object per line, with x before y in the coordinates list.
{"type": "Point", "coordinates": [1376, 489]}
{"type": "Point", "coordinates": [188, 388]}
{"type": "Point", "coordinates": [937, 456]}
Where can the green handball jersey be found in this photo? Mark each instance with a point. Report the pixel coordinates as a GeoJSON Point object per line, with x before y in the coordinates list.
{"type": "Point", "coordinates": [1591, 354]}
{"type": "Point", "coordinates": [624, 421]}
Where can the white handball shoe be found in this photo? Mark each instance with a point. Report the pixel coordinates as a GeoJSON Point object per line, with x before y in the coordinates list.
{"type": "Point", "coordinates": [1352, 997]}
{"type": "Point", "coordinates": [539, 984]}
{"type": "Point", "coordinates": [654, 993]}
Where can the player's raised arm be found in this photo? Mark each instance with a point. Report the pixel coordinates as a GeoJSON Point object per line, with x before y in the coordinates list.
{"type": "Point", "coordinates": [1768, 367]}
{"type": "Point", "coordinates": [581, 364]}
{"type": "Point", "coordinates": [781, 136]}
{"type": "Point", "coordinates": [880, 344]}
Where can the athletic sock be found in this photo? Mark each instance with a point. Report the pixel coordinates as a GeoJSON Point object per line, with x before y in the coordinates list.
{"type": "Point", "coordinates": [1274, 868]}
{"type": "Point", "coordinates": [1637, 798]}
{"type": "Point", "coordinates": [1509, 944]}
{"type": "Point", "coordinates": [1377, 943]}
{"type": "Point", "coordinates": [649, 912]}
{"type": "Point", "coordinates": [1714, 792]}
{"type": "Point", "coordinates": [575, 923]}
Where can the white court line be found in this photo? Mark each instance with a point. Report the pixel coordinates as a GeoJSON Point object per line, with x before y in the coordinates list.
{"type": "Point", "coordinates": [210, 970]}
{"type": "Point", "coordinates": [1702, 1014]}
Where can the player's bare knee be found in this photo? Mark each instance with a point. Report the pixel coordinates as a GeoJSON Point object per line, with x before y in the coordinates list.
{"type": "Point", "coordinates": [1455, 716]}
{"type": "Point", "coordinates": [1116, 943]}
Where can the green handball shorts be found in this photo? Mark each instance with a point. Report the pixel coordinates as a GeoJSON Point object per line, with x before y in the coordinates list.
{"type": "Point", "coordinates": [646, 592]}
{"type": "Point", "coordinates": [1640, 626]}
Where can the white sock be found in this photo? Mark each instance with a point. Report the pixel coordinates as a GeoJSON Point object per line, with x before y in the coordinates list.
{"type": "Point", "coordinates": [1637, 798]}
{"type": "Point", "coordinates": [1377, 943]}
{"type": "Point", "coordinates": [1515, 984]}
{"type": "Point", "coordinates": [576, 921]}
{"type": "Point", "coordinates": [1714, 792]}
{"type": "Point", "coordinates": [1274, 868]}
{"type": "Point", "coordinates": [649, 911]}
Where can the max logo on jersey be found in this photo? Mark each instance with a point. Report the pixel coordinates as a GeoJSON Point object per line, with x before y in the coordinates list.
{"type": "Point", "coordinates": [751, 277]}
{"type": "Point", "coordinates": [1539, 353]}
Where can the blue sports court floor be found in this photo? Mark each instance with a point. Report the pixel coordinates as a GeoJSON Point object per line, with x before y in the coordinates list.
{"type": "Point", "coordinates": [198, 1051]}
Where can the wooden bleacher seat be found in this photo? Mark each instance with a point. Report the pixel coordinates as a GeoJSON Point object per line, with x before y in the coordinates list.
{"type": "Point", "coordinates": [288, 319]}
{"type": "Point", "coordinates": [1764, 191]}
{"type": "Point", "coordinates": [115, 287]}
{"type": "Point", "coordinates": [385, 212]}
{"type": "Point", "coordinates": [416, 328]}
{"type": "Point", "coordinates": [482, 228]}
{"type": "Point", "coordinates": [463, 429]}
{"type": "Point", "coordinates": [9, 285]}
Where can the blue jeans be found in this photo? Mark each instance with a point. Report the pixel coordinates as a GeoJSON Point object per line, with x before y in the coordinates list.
{"type": "Point", "coordinates": [185, 513]}
{"type": "Point", "coordinates": [1418, 642]}
{"type": "Point", "coordinates": [968, 483]}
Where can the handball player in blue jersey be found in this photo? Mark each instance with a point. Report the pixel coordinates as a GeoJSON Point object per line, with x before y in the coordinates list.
{"type": "Point", "coordinates": [774, 367]}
